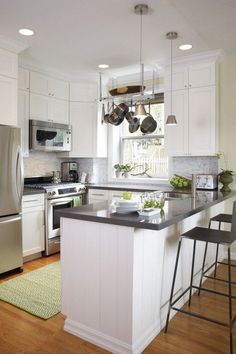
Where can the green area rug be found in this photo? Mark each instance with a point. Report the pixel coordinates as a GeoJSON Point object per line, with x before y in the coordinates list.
{"type": "Point", "coordinates": [37, 292]}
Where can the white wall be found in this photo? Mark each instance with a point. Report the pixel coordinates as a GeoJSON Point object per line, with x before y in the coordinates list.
{"type": "Point", "coordinates": [227, 117]}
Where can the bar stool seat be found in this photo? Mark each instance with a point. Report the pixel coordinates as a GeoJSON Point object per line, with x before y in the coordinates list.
{"type": "Point", "coordinates": [208, 235]}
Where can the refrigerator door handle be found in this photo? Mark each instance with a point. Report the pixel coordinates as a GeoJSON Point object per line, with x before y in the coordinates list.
{"type": "Point", "coordinates": [9, 219]}
{"type": "Point", "coordinates": [19, 174]}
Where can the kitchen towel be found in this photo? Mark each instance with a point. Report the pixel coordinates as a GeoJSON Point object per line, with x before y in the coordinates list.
{"type": "Point", "coordinates": [76, 202]}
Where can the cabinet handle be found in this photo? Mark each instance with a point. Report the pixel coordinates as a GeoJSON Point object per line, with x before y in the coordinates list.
{"type": "Point", "coordinates": [190, 85]}
{"type": "Point", "coordinates": [31, 200]}
{"type": "Point", "coordinates": [99, 194]}
{"type": "Point", "coordinates": [185, 86]}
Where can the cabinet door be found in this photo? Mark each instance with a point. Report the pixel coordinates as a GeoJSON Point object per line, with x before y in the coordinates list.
{"type": "Point", "coordinates": [38, 83]}
{"type": "Point", "coordinates": [83, 92]}
{"type": "Point", "coordinates": [202, 121]}
{"type": "Point", "coordinates": [23, 79]}
{"type": "Point", "coordinates": [8, 101]}
{"type": "Point", "coordinates": [33, 230]}
{"type": "Point", "coordinates": [58, 111]}
{"type": "Point", "coordinates": [179, 80]}
{"type": "Point", "coordinates": [58, 89]}
{"type": "Point", "coordinates": [97, 195]}
{"type": "Point", "coordinates": [83, 119]}
{"type": "Point", "coordinates": [201, 75]}
{"type": "Point", "coordinates": [176, 136]}
{"type": "Point", "coordinates": [39, 107]}
{"type": "Point", "coordinates": [23, 120]}
{"type": "Point", "coordinates": [8, 64]}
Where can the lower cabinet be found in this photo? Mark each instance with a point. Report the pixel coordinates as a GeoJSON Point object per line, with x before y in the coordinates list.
{"type": "Point", "coordinates": [97, 195]}
{"type": "Point", "coordinates": [33, 226]}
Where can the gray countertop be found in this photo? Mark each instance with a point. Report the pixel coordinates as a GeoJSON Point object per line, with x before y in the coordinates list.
{"type": "Point", "coordinates": [174, 211]}
{"type": "Point", "coordinates": [131, 187]}
{"type": "Point", "coordinates": [29, 191]}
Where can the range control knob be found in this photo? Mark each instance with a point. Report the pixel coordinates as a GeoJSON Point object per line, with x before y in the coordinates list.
{"type": "Point", "coordinates": [49, 194]}
{"type": "Point", "coordinates": [53, 192]}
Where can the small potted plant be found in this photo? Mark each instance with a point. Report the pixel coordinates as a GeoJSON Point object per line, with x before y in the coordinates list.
{"type": "Point", "coordinates": [118, 170]}
{"type": "Point", "coordinates": [127, 168]}
{"type": "Point", "coordinates": [226, 175]}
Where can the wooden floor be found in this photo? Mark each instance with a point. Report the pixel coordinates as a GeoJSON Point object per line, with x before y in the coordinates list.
{"type": "Point", "coordinates": [21, 332]}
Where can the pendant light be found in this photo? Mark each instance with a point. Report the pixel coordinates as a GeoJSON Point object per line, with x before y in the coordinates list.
{"type": "Point", "coordinates": [141, 9]}
{"type": "Point", "coordinates": [171, 119]}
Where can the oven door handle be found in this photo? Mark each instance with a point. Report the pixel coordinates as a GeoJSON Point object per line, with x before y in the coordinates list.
{"type": "Point", "coordinates": [61, 203]}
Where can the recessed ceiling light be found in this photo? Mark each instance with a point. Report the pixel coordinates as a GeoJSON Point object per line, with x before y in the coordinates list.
{"type": "Point", "coordinates": [26, 32]}
{"type": "Point", "coordinates": [185, 46]}
{"type": "Point", "coordinates": [103, 66]}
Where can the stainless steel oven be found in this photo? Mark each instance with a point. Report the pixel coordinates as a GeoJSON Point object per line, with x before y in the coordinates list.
{"type": "Point", "coordinates": [58, 196]}
{"type": "Point", "coordinates": [55, 202]}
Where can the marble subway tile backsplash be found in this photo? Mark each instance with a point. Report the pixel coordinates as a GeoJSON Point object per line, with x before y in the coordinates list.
{"type": "Point", "coordinates": [41, 164]}
{"type": "Point", "coordinates": [96, 169]}
{"type": "Point", "coordinates": [194, 164]}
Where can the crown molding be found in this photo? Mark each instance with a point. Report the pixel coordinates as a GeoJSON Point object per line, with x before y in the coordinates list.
{"type": "Point", "coordinates": [12, 45]}
{"type": "Point", "coordinates": [33, 65]}
{"type": "Point", "coordinates": [214, 55]}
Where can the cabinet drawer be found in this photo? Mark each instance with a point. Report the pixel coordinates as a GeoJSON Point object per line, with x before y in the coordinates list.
{"type": "Point", "coordinates": [32, 200]}
{"type": "Point", "coordinates": [98, 194]}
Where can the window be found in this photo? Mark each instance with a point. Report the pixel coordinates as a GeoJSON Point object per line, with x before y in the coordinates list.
{"type": "Point", "coordinates": [146, 151]}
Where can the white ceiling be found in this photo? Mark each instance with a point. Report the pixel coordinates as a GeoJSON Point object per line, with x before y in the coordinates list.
{"type": "Point", "coordinates": [74, 36]}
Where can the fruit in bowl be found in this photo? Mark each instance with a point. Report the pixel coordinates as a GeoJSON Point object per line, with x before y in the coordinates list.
{"type": "Point", "coordinates": [180, 182]}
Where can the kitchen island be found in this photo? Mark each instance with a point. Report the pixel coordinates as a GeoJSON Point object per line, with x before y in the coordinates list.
{"type": "Point", "coordinates": [117, 269]}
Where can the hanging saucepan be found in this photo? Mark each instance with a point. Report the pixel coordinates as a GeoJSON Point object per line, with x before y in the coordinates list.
{"type": "Point", "coordinates": [148, 125]}
{"type": "Point", "coordinates": [118, 114]}
{"type": "Point", "coordinates": [134, 125]}
{"type": "Point", "coordinates": [133, 121]}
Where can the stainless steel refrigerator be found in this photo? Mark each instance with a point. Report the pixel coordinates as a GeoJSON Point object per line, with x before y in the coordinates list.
{"type": "Point", "coordinates": [11, 190]}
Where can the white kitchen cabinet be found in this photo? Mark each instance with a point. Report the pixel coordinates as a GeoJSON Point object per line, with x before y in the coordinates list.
{"type": "Point", "coordinates": [44, 85]}
{"type": "Point", "coordinates": [8, 101]}
{"type": "Point", "coordinates": [33, 228]}
{"type": "Point", "coordinates": [8, 64]}
{"type": "Point", "coordinates": [88, 134]}
{"type": "Point", "coordinates": [191, 76]}
{"type": "Point", "coordinates": [195, 132]}
{"type": "Point", "coordinates": [48, 109]}
{"type": "Point", "coordinates": [23, 79]}
{"type": "Point", "coordinates": [97, 195]}
{"type": "Point", "coordinates": [81, 92]}
{"type": "Point", "coordinates": [23, 120]}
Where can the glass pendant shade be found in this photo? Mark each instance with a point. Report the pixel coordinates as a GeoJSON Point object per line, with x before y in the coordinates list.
{"type": "Point", "coordinates": [140, 111]}
{"type": "Point", "coordinates": [171, 120]}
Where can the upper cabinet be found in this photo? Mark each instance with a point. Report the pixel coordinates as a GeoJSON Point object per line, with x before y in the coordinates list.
{"type": "Point", "coordinates": [23, 79]}
{"type": "Point", "coordinates": [8, 87]}
{"type": "Point", "coordinates": [191, 76]}
{"type": "Point", "coordinates": [86, 92]}
{"type": "Point", "coordinates": [89, 134]}
{"type": "Point", "coordinates": [47, 86]}
{"type": "Point", "coordinates": [8, 64]}
{"type": "Point", "coordinates": [49, 99]}
{"type": "Point", "coordinates": [194, 105]}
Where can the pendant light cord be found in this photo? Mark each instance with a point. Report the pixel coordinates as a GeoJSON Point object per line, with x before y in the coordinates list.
{"type": "Point", "coordinates": [171, 76]}
{"type": "Point", "coordinates": [141, 49]}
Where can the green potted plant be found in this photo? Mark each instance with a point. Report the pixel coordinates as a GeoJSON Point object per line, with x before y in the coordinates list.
{"type": "Point", "coordinates": [118, 170]}
{"type": "Point", "coordinates": [226, 175]}
{"type": "Point", "coordinates": [127, 168]}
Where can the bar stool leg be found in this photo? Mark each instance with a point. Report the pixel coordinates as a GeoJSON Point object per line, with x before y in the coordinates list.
{"type": "Point", "coordinates": [203, 267]}
{"type": "Point", "coordinates": [230, 302]}
{"type": "Point", "coordinates": [217, 251]}
{"type": "Point", "coordinates": [173, 285]}
{"type": "Point", "coordinates": [192, 271]}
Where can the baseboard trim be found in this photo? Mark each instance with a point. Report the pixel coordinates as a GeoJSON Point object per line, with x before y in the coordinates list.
{"type": "Point", "coordinates": [98, 338]}
{"type": "Point", "coordinates": [110, 343]}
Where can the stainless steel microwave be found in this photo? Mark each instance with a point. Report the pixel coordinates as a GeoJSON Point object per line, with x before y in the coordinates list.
{"type": "Point", "coordinates": [49, 136]}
